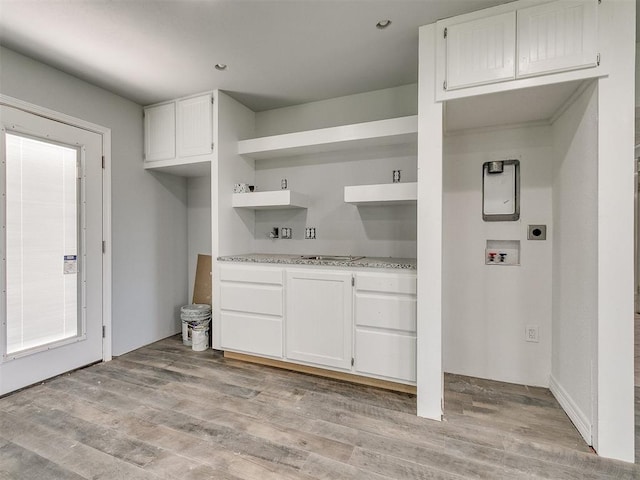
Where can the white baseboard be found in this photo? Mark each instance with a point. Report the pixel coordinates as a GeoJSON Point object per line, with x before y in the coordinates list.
{"type": "Point", "coordinates": [579, 419]}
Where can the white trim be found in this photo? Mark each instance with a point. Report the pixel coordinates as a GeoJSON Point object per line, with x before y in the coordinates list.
{"type": "Point", "coordinates": [577, 416]}
{"type": "Point", "coordinates": [106, 200]}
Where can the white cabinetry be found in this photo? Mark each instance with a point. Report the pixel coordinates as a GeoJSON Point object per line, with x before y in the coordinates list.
{"type": "Point", "coordinates": [557, 36]}
{"type": "Point", "coordinates": [368, 330]}
{"type": "Point", "coordinates": [179, 135]}
{"type": "Point", "coordinates": [481, 51]}
{"type": "Point", "coordinates": [195, 126]}
{"type": "Point", "coordinates": [251, 309]}
{"type": "Point", "coordinates": [318, 326]}
{"type": "Point", "coordinates": [159, 132]}
{"type": "Point", "coordinates": [509, 43]}
{"type": "Point", "coordinates": [385, 325]}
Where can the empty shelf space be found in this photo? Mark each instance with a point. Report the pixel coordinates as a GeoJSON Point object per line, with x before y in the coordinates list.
{"type": "Point", "coordinates": [274, 199]}
{"type": "Point", "coordinates": [382, 194]}
{"type": "Point", "coordinates": [393, 131]}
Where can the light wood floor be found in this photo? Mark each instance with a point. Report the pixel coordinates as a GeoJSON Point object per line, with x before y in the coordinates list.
{"type": "Point", "coordinates": [165, 412]}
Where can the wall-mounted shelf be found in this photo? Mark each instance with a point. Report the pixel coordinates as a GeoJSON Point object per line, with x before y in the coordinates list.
{"type": "Point", "coordinates": [269, 200]}
{"type": "Point", "coordinates": [383, 194]}
{"type": "Point", "coordinates": [393, 131]}
{"type": "Point", "coordinates": [182, 167]}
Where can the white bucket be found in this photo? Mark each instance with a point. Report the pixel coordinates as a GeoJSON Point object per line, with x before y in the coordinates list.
{"type": "Point", "coordinates": [200, 338]}
{"type": "Point", "coordinates": [186, 334]}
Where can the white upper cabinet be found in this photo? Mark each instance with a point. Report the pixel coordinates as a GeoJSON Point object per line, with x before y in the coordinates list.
{"type": "Point", "coordinates": [195, 129]}
{"type": "Point", "coordinates": [518, 40]}
{"type": "Point", "coordinates": [557, 36]}
{"type": "Point", "coordinates": [179, 136]}
{"type": "Point", "coordinates": [481, 51]}
{"type": "Point", "coordinates": [159, 130]}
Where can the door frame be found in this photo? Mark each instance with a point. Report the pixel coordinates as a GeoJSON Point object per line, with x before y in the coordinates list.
{"type": "Point", "coordinates": [105, 134]}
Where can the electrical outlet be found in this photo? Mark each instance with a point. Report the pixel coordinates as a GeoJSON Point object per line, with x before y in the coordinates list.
{"type": "Point", "coordinates": [285, 233]}
{"type": "Point", "coordinates": [532, 333]}
{"type": "Point", "coordinates": [310, 233]}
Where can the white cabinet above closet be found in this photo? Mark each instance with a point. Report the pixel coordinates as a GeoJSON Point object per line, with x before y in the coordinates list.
{"type": "Point", "coordinates": [557, 36]}
{"type": "Point", "coordinates": [515, 41]}
{"type": "Point", "coordinates": [481, 51]}
{"type": "Point", "coordinates": [393, 131]}
{"type": "Point", "coordinates": [179, 136]}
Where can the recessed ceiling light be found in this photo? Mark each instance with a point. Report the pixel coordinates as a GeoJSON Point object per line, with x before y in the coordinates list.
{"type": "Point", "coordinates": [221, 66]}
{"type": "Point", "coordinates": [382, 24]}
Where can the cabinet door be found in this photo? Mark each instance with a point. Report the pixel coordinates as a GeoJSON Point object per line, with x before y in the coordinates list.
{"type": "Point", "coordinates": [557, 36]}
{"type": "Point", "coordinates": [253, 334]}
{"type": "Point", "coordinates": [251, 307]}
{"type": "Point", "coordinates": [387, 354]}
{"type": "Point", "coordinates": [481, 51]}
{"type": "Point", "coordinates": [318, 318]}
{"type": "Point", "coordinates": [160, 132]}
{"type": "Point", "coordinates": [195, 126]}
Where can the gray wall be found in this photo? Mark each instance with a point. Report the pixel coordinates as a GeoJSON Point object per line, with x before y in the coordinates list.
{"type": "Point", "coordinates": [575, 243]}
{"type": "Point", "coordinates": [486, 308]}
{"type": "Point", "coordinates": [199, 220]}
{"type": "Point", "coordinates": [149, 217]}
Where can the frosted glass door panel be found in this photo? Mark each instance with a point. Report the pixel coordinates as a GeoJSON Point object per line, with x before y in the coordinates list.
{"type": "Point", "coordinates": [42, 243]}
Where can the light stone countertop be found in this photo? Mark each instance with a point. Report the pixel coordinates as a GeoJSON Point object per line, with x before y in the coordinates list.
{"type": "Point", "coordinates": [365, 262]}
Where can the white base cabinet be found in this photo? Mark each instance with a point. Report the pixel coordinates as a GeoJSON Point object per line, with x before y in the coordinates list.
{"type": "Point", "coordinates": [358, 322]}
{"type": "Point", "coordinates": [319, 306]}
{"type": "Point", "coordinates": [385, 325]}
{"type": "Point", "coordinates": [251, 309]}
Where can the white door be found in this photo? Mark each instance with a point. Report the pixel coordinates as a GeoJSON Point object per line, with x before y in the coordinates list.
{"type": "Point", "coordinates": [51, 245]}
{"type": "Point", "coordinates": [160, 132]}
{"type": "Point", "coordinates": [319, 317]}
{"type": "Point", "coordinates": [195, 126]}
{"type": "Point", "coordinates": [557, 36]}
{"type": "Point", "coordinates": [481, 51]}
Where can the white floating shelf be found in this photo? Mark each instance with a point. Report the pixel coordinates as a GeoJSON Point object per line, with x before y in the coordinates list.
{"type": "Point", "coordinates": [182, 167]}
{"type": "Point", "coordinates": [269, 200]}
{"type": "Point", "coordinates": [383, 194]}
{"type": "Point", "coordinates": [393, 131]}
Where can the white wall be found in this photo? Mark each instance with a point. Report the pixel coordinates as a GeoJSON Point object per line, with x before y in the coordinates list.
{"type": "Point", "coordinates": [198, 224]}
{"type": "Point", "coordinates": [361, 107]}
{"type": "Point", "coordinates": [487, 307]}
{"type": "Point", "coordinates": [149, 210]}
{"type": "Point", "coordinates": [575, 288]}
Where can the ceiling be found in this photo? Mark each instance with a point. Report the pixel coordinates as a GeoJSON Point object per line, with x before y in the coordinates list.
{"type": "Point", "coordinates": [278, 53]}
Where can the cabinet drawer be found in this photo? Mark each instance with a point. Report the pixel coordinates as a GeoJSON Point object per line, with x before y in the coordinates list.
{"type": "Point", "coordinates": [388, 283]}
{"type": "Point", "coordinates": [251, 334]}
{"type": "Point", "coordinates": [386, 354]}
{"type": "Point", "coordinates": [242, 297]}
{"type": "Point", "coordinates": [251, 274]}
{"type": "Point", "coordinates": [382, 311]}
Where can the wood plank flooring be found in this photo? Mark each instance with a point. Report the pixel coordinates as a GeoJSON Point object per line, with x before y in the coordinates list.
{"type": "Point", "coordinates": [166, 412]}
